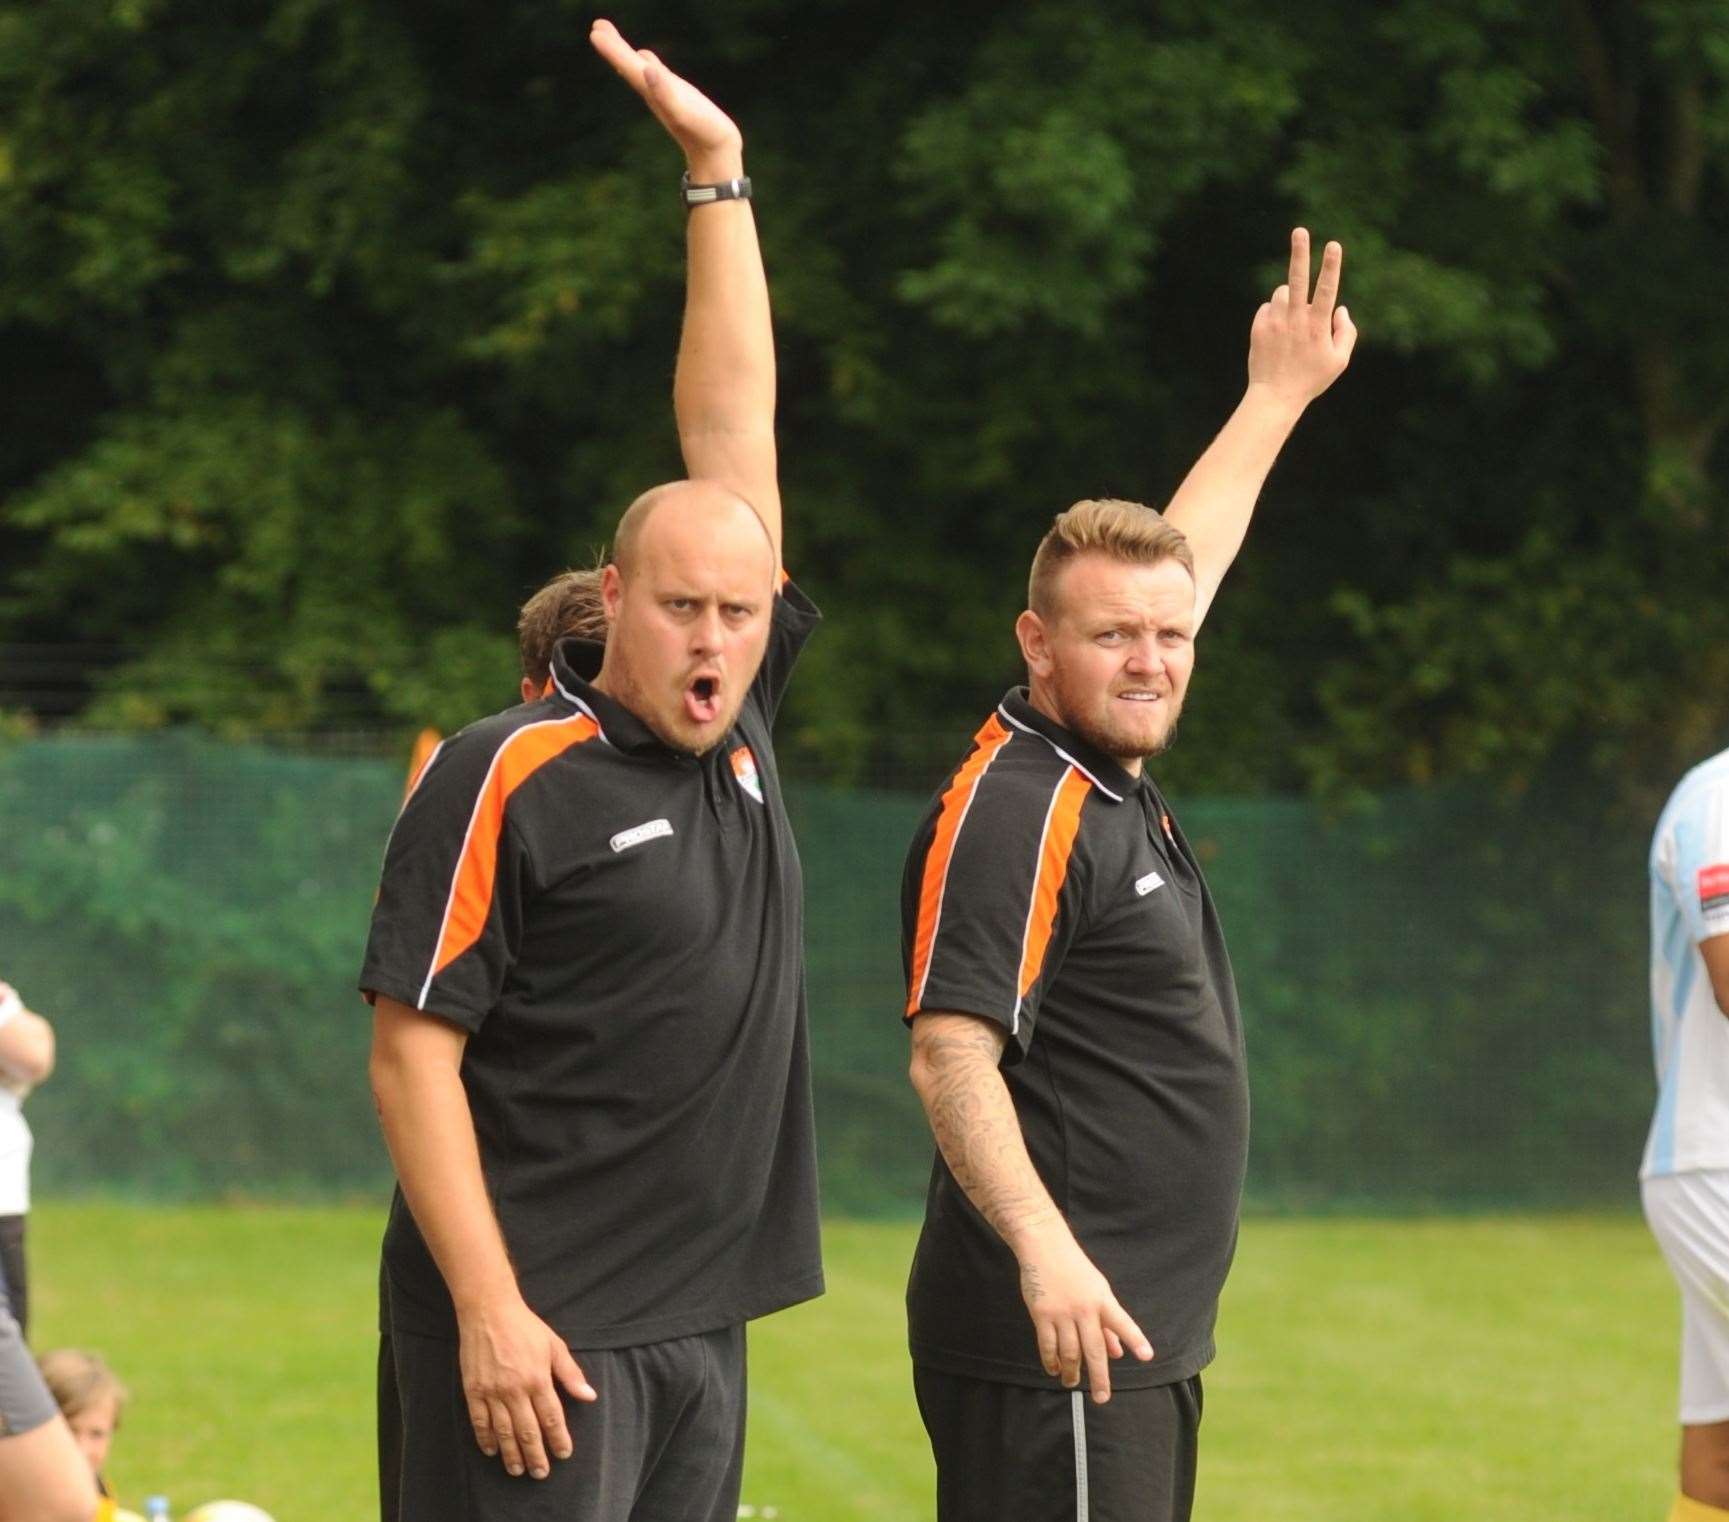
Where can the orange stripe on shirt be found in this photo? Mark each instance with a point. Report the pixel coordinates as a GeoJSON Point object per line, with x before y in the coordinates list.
{"type": "Point", "coordinates": [1059, 844]}
{"type": "Point", "coordinates": [986, 743]}
{"type": "Point", "coordinates": [426, 744]}
{"type": "Point", "coordinates": [518, 759]}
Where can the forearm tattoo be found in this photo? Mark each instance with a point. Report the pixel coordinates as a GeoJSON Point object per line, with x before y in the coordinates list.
{"type": "Point", "coordinates": [1032, 1283]}
{"type": "Point", "coordinates": [978, 1131]}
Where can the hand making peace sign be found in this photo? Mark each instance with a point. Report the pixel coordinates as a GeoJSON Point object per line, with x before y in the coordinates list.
{"type": "Point", "coordinates": [1297, 346]}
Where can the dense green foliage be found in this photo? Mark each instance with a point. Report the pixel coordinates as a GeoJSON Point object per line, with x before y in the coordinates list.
{"type": "Point", "coordinates": [1442, 995]}
{"type": "Point", "coordinates": [1353, 1357]}
{"type": "Point", "coordinates": [334, 326]}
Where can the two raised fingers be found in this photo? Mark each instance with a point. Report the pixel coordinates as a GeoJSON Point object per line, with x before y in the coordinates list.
{"type": "Point", "coordinates": [1295, 292]}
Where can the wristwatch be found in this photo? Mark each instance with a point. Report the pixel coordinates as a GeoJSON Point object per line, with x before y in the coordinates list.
{"type": "Point", "coordinates": [726, 190]}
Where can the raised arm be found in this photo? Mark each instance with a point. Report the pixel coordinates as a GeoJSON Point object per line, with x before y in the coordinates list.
{"type": "Point", "coordinates": [724, 390]}
{"type": "Point", "coordinates": [1297, 348]}
{"type": "Point", "coordinates": [956, 1071]}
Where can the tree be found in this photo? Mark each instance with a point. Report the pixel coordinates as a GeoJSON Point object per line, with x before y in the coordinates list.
{"type": "Point", "coordinates": [343, 325]}
{"type": "Point", "coordinates": [1524, 540]}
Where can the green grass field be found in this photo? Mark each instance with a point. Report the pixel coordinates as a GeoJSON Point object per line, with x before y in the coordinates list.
{"type": "Point", "coordinates": [1492, 1370]}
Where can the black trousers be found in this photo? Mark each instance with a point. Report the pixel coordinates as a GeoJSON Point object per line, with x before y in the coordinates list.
{"type": "Point", "coordinates": [14, 1278]}
{"type": "Point", "coordinates": [1012, 1453]}
{"type": "Point", "coordinates": [663, 1443]}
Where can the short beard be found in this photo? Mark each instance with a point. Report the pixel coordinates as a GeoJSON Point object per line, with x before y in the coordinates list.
{"type": "Point", "coordinates": [1109, 747]}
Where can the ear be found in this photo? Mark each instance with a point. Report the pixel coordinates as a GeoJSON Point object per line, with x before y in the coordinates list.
{"type": "Point", "coordinates": [529, 692]}
{"type": "Point", "coordinates": [611, 592]}
{"type": "Point", "coordinates": [1035, 643]}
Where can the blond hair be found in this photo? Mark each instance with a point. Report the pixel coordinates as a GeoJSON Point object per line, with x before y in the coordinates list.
{"type": "Point", "coordinates": [78, 1380]}
{"type": "Point", "coordinates": [1128, 531]}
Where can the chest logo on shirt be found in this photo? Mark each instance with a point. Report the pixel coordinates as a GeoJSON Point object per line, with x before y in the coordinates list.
{"type": "Point", "coordinates": [744, 768]}
{"type": "Point", "coordinates": [653, 830]}
{"type": "Point", "coordinates": [1145, 885]}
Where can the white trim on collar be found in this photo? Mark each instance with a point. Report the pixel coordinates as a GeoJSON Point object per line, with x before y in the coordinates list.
{"type": "Point", "coordinates": [1027, 729]}
{"type": "Point", "coordinates": [570, 697]}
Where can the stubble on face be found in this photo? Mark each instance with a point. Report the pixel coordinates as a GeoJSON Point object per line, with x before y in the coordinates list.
{"type": "Point", "coordinates": [1117, 741]}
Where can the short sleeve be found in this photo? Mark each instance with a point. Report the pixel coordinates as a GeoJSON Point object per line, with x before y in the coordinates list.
{"type": "Point", "coordinates": [794, 621]}
{"type": "Point", "coordinates": [448, 918]}
{"type": "Point", "coordinates": [990, 896]}
{"type": "Point", "coordinates": [1702, 860]}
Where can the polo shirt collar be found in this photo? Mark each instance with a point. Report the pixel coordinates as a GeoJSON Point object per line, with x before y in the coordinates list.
{"type": "Point", "coordinates": [575, 664]}
{"type": "Point", "coordinates": [1099, 769]}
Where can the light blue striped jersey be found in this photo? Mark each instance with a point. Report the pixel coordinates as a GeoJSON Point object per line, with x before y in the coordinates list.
{"type": "Point", "coordinates": [1690, 1034]}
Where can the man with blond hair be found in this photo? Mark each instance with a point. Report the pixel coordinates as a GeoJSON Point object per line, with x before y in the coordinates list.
{"type": "Point", "coordinates": [589, 1047]}
{"type": "Point", "coordinates": [1075, 1036]}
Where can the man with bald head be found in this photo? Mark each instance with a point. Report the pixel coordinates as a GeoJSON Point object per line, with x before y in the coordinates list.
{"type": "Point", "coordinates": [681, 548]}
{"type": "Point", "coordinates": [589, 1049]}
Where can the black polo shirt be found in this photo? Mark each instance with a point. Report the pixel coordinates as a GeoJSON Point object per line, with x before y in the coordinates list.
{"type": "Point", "coordinates": [619, 927]}
{"type": "Point", "coordinates": [1050, 891]}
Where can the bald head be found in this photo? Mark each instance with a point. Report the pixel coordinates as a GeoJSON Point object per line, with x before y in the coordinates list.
{"type": "Point", "coordinates": [681, 515]}
{"type": "Point", "coordinates": [689, 597]}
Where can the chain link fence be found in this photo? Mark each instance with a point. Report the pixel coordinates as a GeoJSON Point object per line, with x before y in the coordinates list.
{"type": "Point", "coordinates": [1444, 995]}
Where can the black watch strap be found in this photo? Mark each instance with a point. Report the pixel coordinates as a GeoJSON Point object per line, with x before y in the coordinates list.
{"type": "Point", "coordinates": [726, 190]}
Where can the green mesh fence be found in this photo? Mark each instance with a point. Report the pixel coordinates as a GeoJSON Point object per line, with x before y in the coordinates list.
{"type": "Point", "coordinates": [1444, 998]}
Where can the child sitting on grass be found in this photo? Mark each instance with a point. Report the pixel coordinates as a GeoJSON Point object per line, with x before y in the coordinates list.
{"type": "Point", "coordinates": [90, 1397]}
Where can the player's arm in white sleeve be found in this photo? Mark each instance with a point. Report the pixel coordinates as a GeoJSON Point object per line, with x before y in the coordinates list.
{"type": "Point", "coordinates": [724, 388]}
{"type": "Point", "coordinates": [509, 1356]}
{"type": "Point", "coordinates": [1702, 883]}
{"type": "Point", "coordinates": [26, 1043]}
{"type": "Point", "coordinates": [1715, 951]}
{"type": "Point", "coordinates": [956, 1069]}
{"type": "Point", "coordinates": [1298, 347]}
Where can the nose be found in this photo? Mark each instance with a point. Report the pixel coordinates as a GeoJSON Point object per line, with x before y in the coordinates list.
{"type": "Point", "coordinates": [706, 634]}
{"type": "Point", "coordinates": [1143, 655]}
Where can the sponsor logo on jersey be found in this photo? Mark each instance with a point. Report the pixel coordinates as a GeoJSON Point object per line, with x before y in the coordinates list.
{"type": "Point", "coordinates": [1145, 885]}
{"type": "Point", "coordinates": [744, 768]}
{"type": "Point", "coordinates": [653, 830]}
{"type": "Point", "coordinates": [1714, 889]}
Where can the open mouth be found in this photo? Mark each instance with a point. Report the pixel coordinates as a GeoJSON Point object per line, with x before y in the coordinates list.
{"type": "Point", "coordinates": [702, 700]}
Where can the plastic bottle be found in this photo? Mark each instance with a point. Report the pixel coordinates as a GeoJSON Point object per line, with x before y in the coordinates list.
{"type": "Point", "coordinates": [156, 1509]}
